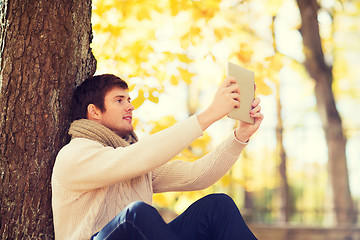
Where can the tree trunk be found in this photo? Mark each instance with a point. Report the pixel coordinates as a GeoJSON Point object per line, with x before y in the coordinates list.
{"type": "Point", "coordinates": [281, 154]}
{"type": "Point", "coordinates": [330, 118]}
{"type": "Point", "coordinates": [44, 52]}
{"type": "Point", "coordinates": [280, 149]}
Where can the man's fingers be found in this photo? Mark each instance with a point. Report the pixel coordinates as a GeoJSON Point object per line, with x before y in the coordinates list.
{"type": "Point", "coordinates": [256, 102]}
{"type": "Point", "coordinates": [227, 82]}
{"type": "Point", "coordinates": [234, 88]}
{"type": "Point", "coordinates": [256, 109]}
{"type": "Point", "coordinates": [259, 116]}
{"type": "Point", "coordinates": [236, 97]}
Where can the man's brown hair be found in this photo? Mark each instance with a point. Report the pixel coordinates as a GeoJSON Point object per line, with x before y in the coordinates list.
{"type": "Point", "coordinates": [93, 91]}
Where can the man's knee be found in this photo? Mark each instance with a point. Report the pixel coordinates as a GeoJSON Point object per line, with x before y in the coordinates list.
{"type": "Point", "coordinates": [220, 198]}
{"type": "Point", "coordinates": [221, 201]}
{"type": "Point", "coordinates": [143, 216]}
{"type": "Point", "coordinates": [139, 208]}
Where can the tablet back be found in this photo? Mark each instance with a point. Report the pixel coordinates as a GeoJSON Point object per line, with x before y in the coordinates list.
{"type": "Point", "coordinates": [245, 80]}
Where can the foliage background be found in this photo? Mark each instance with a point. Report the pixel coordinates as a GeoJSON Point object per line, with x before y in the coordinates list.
{"type": "Point", "coordinates": [174, 53]}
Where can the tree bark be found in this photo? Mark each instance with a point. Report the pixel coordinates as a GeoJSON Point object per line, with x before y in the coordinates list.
{"type": "Point", "coordinates": [330, 118]}
{"type": "Point", "coordinates": [44, 53]}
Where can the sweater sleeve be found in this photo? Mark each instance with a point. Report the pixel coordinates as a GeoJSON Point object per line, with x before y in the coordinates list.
{"type": "Point", "coordinates": [84, 164]}
{"type": "Point", "coordinates": [204, 172]}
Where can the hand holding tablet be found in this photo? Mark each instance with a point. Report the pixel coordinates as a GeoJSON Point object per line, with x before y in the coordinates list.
{"type": "Point", "coordinates": [236, 101]}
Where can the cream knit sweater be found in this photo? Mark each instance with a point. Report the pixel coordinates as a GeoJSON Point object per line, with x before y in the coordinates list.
{"type": "Point", "coordinates": [91, 183]}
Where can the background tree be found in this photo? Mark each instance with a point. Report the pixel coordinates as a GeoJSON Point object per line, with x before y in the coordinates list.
{"type": "Point", "coordinates": [321, 72]}
{"type": "Point", "coordinates": [44, 52]}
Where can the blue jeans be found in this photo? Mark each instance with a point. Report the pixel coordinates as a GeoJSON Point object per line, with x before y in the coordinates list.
{"type": "Point", "coordinates": [215, 216]}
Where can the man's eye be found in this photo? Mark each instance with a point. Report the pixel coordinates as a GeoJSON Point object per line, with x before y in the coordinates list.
{"type": "Point", "coordinates": [119, 100]}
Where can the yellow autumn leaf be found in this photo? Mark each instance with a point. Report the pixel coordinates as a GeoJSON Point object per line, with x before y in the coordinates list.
{"type": "Point", "coordinates": [137, 102]}
{"type": "Point", "coordinates": [177, 6]}
{"type": "Point", "coordinates": [162, 123]}
{"type": "Point", "coordinates": [153, 98]}
{"type": "Point", "coordinates": [205, 9]}
{"type": "Point", "coordinates": [221, 32]}
{"type": "Point", "coordinates": [142, 14]}
{"type": "Point", "coordinates": [103, 7]}
{"type": "Point", "coordinates": [135, 122]}
{"type": "Point", "coordinates": [261, 74]}
{"type": "Point", "coordinates": [186, 155]}
{"type": "Point", "coordinates": [275, 62]}
{"type": "Point", "coordinates": [261, 87]}
{"type": "Point", "coordinates": [184, 58]}
{"type": "Point", "coordinates": [131, 87]}
{"type": "Point", "coordinates": [195, 30]}
{"type": "Point", "coordinates": [169, 56]}
{"type": "Point", "coordinates": [160, 200]}
{"type": "Point", "coordinates": [225, 180]}
{"type": "Point", "coordinates": [201, 145]}
{"type": "Point", "coordinates": [174, 80]}
{"type": "Point", "coordinates": [145, 49]}
{"type": "Point", "coordinates": [185, 75]}
{"type": "Point", "coordinates": [185, 41]}
{"type": "Point", "coordinates": [245, 54]}
{"type": "Point", "coordinates": [165, 199]}
{"type": "Point", "coordinates": [174, 7]}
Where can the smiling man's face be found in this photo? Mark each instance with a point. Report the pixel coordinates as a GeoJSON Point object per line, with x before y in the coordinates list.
{"type": "Point", "coordinates": [118, 112]}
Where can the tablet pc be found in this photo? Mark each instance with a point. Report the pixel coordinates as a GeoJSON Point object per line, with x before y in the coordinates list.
{"type": "Point", "coordinates": [245, 80]}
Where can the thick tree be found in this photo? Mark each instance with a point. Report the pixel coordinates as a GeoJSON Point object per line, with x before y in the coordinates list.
{"type": "Point", "coordinates": [44, 53]}
{"type": "Point", "coordinates": [321, 72]}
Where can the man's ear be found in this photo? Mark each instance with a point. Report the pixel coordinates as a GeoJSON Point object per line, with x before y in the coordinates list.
{"type": "Point", "coordinates": [93, 112]}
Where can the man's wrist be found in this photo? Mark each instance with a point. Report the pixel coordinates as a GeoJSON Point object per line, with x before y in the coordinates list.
{"type": "Point", "coordinates": [240, 138]}
{"type": "Point", "coordinates": [205, 119]}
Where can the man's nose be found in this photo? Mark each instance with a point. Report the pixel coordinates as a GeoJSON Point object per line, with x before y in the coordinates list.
{"type": "Point", "coordinates": [130, 108]}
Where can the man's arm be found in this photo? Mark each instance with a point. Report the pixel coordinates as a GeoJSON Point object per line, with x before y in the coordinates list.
{"type": "Point", "coordinates": [84, 164]}
{"type": "Point", "coordinates": [190, 176]}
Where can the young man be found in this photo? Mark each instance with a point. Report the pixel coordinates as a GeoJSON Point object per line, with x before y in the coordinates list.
{"type": "Point", "coordinates": [104, 179]}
